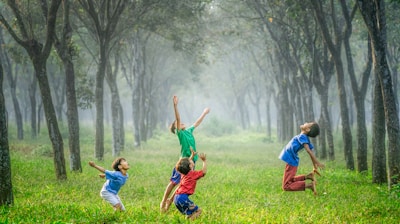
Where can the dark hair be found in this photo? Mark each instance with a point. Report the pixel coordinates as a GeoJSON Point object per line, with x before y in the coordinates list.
{"type": "Point", "coordinates": [172, 127]}
{"type": "Point", "coordinates": [117, 162]}
{"type": "Point", "coordinates": [314, 130]}
{"type": "Point", "coordinates": [183, 165]}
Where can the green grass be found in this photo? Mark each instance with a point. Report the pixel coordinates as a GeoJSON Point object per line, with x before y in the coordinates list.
{"type": "Point", "coordinates": [243, 185]}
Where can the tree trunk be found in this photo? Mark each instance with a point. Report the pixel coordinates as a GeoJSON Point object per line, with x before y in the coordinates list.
{"type": "Point", "coordinates": [373, 13]}
{"type": "Point", "coordinates": [359, 98]}
{"type": "Point", "coordinates": [13, 87]}
{"type": "Point", "coordinates": [99, 98]}
{"type": "Point", "coordinates": [268, 116]}
{"type": "Point", "coordinates": [116, 110]}
{"type": "Point", "coordinates": [51, 118]}
{"type": "Point", "coordinates": [72, 117]}
{"type": "Point", "coordinates": [358, 94]}
{"type": "Point", "coordinates": [38, 54]}
{"type": "Point", "coordinates": [143, 96]}
{"type": "Point", "coordinates": [32, 97]}
{"type": "Point", "coordinates": [6, 191]}
{"type": "Point", "coordinates": [136, 93]}
{"type": "Point", "coordinates": [344, 111]}
{"type": "Point", "coordinates": [59, 91]}
{"type": "Point", "coordinates": [344, 114]}
{"type": "Point", "coordinates": [105, 16]}
{"type": "Point", "coordinates": [379, 171]}
{"type": "Point", "coordinates": [17, 108]}
{"type": "Point", "coordinates": [65, 52]}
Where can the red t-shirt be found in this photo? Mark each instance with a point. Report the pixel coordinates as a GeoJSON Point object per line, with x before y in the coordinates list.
{"type": "Point", "coordinates": [188, 182]}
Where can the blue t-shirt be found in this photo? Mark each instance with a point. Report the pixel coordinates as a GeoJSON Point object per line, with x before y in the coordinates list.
{"type": "Point", "coordinates": [115, 180]}
{"type": "Point", "coordinates": [290, 152]}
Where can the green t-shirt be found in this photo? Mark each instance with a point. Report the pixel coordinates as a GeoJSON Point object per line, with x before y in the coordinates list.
{"type": "Point", "coordinates": [186, 139]}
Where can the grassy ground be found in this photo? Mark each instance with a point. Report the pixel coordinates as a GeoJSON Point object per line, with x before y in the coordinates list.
{"type": "Point", "coordinates": [243, 185]}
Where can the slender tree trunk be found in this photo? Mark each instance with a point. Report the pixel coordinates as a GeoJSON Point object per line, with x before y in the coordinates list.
{"type": "Point", "coordinates": [39, 117]}
{"type": "Point", "coordinates": [73, 118]}
{"type": "Point", "coordinates": [17, 109]}
{"type": "Point", "coordinates": [143, 96]}
{"type": "Point", "coordinates": [65, 50]}
{"type": "Point", "coordinates": [322, 137]}
{"type": "Point", "coordinates": [13, 87]}
{"type": "Point", "coordinates": [32, 97]}
{"type": "Point", "coordinates": [116, 111]}
{"type": "Point", "coordinates": [268, 116]}
{"type": "Point", "coordinates": [99, 98]}
{"type": "Point", "coordinates": [379, 171]}
{"type": "Point", "coordinates": [360, 108]}
{"type": "Point", "coordinates": [6, 191]}
{"type": "Point", "coordinates": [359, 98]}
{"type": "Point", "coordinates": [51, 118]}
{"type": "Point", "coordinates": [326, 135]}
{"type": "Point", "coordinates": [344, 114]}
{"type": "Point", "coordinates": [136, 93]}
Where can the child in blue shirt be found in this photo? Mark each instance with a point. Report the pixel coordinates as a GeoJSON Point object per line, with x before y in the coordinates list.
{"type": "Point", "coordinates": [289, 154]}
{"type": "Point", "coordinates": [114, 181]}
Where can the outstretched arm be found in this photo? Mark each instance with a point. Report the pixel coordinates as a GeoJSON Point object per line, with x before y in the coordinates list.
{"type": "Point", "coordinates": [192, 154]}
{"type": "Point", "coordinates": [177, 116]}
{"type": "Point", "coordinates": [200, 119]}
{"type": "Point", "coordinates": [203, 158]}
{"type": "Point", "coordinates": [314, 159]}
{"type": "Point", "coordinates": [99, 168]}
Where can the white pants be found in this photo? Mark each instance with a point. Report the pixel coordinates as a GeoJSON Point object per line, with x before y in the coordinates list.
{"type": "Point", "coordinates": [113, 199]}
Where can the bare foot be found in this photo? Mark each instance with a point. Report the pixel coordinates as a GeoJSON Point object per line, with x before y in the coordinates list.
{"type": "Point", "coordinates": [195, 214]}
{"type": "Point", "coordinates": [314, 187]}
{"type": "Point", "coordinates": [168, 204]}
{"type": "Point", "coordinates": [311, 176]}
{"type": "Point", "coordinates": [162, 207]}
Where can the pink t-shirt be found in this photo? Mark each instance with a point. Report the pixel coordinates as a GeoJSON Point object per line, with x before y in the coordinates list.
{"type": "Point", "coordinates": [188, 182]}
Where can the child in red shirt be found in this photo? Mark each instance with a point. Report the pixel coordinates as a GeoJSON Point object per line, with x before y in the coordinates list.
{"type": "Point", "coordinates": [187, 186]}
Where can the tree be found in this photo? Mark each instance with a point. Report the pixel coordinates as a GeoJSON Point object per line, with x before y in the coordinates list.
{"type": "Point", "coordinates": [176, 21]}
{"type": "Point", "coordinates": [117, 110]}
{"type": "Point", "coordinates": [6, 192]}
{"type": "Point", "coordinates": [104, 17]}
{"type": "Point", "coordinates": [359, 91]}
{"type": "Point", "coordinates": [12, 79]}
{"type": "Point", "coordinates": [334, 45]}
{"type": "Point", "coordinates": [38, 53]}
{"type": "Point", "coordinates": [373, 13]}
{"type": "Point", "coordinates": [66, 51]}
{"type": "Point", "coordinates": [379, 170]}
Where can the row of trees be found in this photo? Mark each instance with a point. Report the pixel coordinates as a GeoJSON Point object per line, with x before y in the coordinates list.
{"type": "Point", "coordinates": [46, 25]}
{"type": "Point", "coordinates": [253, 53]}
{"type": "Point", "coordinates": [309, 38]}
{"type": "Point", "coordinates": [299, 48]}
